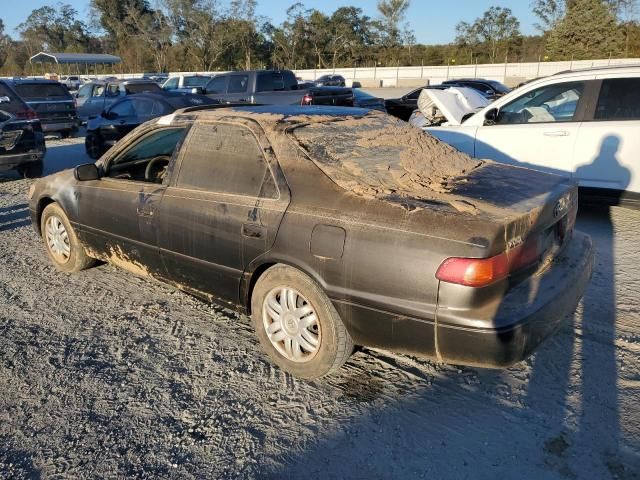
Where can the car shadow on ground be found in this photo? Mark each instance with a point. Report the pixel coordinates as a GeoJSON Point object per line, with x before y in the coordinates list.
{"type": "Point", "coordinates": [14, 217]}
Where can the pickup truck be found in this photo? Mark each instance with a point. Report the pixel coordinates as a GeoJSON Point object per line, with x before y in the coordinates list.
{"type": "Point", "coordinates": [273, 87]}
{"type": "Point", "coordinates": [186, 83]}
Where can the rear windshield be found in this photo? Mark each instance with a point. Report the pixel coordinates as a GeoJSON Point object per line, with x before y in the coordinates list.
{"type": "Point", "coordinates": [196, 81]}
{"type": "Point", "coordinates": [184, 101]}
{"type": "Point", "coordinates": [41, 90]}
{"type": "Point", "coordinates": [6, 95]}
{"type": "Point", "coordinates": [382, 156]}
{"type": "Point", "coordinates": [142, 87]}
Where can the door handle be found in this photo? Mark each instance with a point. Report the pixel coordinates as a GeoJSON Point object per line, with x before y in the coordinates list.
{"type": "Point", "coordinates": [145, 212]}
{"type": "Point", "coordinates": [251, 230]}
{"type": "Point", "coordinates": [556, 133]}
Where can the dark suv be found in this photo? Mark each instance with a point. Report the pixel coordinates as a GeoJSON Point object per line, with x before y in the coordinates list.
{"type": "Point", "coordinates": [333, 227]}
{"type": "Point", "coordinates": [52, 102]}
{"type": "Point", "coordinates": [22, 145]}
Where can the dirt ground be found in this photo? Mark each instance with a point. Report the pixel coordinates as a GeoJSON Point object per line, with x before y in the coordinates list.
{"type": "Point", "coordinates": [105, 375]}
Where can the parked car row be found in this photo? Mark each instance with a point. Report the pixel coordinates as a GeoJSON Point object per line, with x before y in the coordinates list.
{"type": "Point", "coordinates": [404, 106]}
{"type": "Point", "coordinates": [581, 124]}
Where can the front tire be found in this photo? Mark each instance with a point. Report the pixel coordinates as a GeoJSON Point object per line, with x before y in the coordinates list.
{"type": "Point", "coordinates": [31, 169]}
{"type": "Point", "coordinates": [297, 324]}
{"type": "Point", "coordinates": [61, 242]}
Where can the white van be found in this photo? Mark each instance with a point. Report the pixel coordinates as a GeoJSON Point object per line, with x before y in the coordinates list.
{"type": "Point", "coordinates": [584, 124]}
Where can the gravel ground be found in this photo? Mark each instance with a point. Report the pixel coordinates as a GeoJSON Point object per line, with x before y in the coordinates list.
{"type": "Point", "coordinates": [104, 375]}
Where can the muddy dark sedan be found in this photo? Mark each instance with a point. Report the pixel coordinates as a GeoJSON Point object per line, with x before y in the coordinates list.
{"type": "Point", "coordinates": [333, 228]}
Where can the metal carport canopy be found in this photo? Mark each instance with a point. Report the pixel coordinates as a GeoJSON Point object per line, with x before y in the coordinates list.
{"type": "Point", "coordinates": [74, 58]}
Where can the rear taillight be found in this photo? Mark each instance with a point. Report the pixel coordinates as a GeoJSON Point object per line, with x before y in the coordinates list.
{"type": "Point", "coordinates": [307, 100]}
{"type": "Point", "coordinates": [481, 272]}
{"type": "Point", "coordinates": [28, 114]}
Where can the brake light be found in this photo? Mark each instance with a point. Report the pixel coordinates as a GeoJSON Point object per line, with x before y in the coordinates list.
{"type": "Point", "coordinates": [306, 100]}
{"type": "Point", "coordinates": [481, 272]}
{"type": "Point", "coordinates": [28, 114]}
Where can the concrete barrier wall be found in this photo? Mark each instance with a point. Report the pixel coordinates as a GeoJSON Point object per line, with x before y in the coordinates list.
{"type": "Point", "coordinates": [508, 73]}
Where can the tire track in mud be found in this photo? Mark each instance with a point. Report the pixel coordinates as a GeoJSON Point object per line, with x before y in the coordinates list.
{"type": "Point", "coordinates": [107, 374]}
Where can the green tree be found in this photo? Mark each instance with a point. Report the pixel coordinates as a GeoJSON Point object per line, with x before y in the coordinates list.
{"type": "Point", "coordinates": [392, 13]}
{"type": "Point", "coordinates": [588, 30]}
{"type": "Point", "coordinates": [56, 29]}
{"type": "Point", "coordinates": [496, 32]}
{"type": "Point", "coordinates": [549, 12]}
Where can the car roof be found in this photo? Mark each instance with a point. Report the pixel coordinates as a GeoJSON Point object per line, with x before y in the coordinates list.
{"type": "Point", "coordinates": [273, 113]}
{"type": "Point", "coordinates": [622, 68]}
{"type": "Point", "coordinates": [35, 81]}
{"type": "Point", "coordinates": [122, 81]}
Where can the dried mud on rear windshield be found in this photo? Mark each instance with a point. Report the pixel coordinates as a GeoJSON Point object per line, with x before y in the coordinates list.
{"type": "Point", "coordinates": [383, 157]}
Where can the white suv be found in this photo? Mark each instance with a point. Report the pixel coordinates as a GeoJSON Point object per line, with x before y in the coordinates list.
{"type": "Point", "coordinates": [584, 124]}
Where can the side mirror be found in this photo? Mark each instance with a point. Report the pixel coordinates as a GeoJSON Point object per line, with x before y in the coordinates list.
{"type": "Point", "coordinates": [356, 85]}
{"type": "Point", "coordinates": [86, 172]}
{"type": "Point", "coordinates": [491, 117]}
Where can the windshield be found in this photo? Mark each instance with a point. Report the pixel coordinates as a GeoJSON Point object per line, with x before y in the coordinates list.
{"type": "Point", "coordinates": [142, 87]}
{"type": "Point", "coordinates": [499, 86]}
{"type": "Point", "coordinates": [197, 81]}
{"type": "Point", "coordinates": [382, 156]}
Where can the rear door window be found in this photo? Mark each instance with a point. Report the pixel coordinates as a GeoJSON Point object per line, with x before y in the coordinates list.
{"type": "Point", "coordinates": [228, 159]}
{"type": "Point", "coordinates": [123, 109]}
{"type": "Point", "coordinates": [270, 82]}
{"type": "Point", "coordinates": [619, 100]}
{"type": "Point", "coordinates": [217, 85]}
{"type": "Point", "coordinates": [113, 90]}
{"type": "Point", "coordinates": [238, 84]}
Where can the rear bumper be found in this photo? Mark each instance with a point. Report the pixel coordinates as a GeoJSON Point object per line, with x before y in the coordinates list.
{"type": "Point", "coordinates": [527, 315]}
{"type": "Point", "coordinates": [9, 162]}
{"type": "Point", "coordinates": [58, 126]}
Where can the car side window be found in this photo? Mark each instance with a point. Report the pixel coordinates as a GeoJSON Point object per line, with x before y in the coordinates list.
{"type": "Point", "coordinates": [552, 103]}
{"type": "Point", "coordinates": [226, 159]}
{"type": "Point", "coordinates": [238, 84]}
{"type": "Point", "coordinates": [619, 100]}
{"type": "Point", "coordinates": [113, 90]}
{"type": "Point", "coordinates": [85, 91]}
{"type": "Point", "coordinates": [171, 84]}
{"type": "Point", "coordinates": [270, 82]}
{"type": "Point", "coordinates": [143, 107]}
{"type": "Point", "coordinates": [123, 109]}
{"type": "Point", "coordinates": [217, 85]}
{"type": "Point", "coordinates": [414, 95]}
{"type": "Point", "coordinates": [147, 159]}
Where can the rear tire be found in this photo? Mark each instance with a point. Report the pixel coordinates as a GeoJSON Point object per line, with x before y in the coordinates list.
{"type": "Point", "coordinates": [93, 145]}
{"type": "Point", "coordinates": [32, 169]}
{"type": "Point", "coordinates": [61, 242]}
{"type": "Point", "coordinates": [318, 342]}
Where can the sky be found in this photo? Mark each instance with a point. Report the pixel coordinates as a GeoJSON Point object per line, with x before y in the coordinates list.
{"type": "Point", "coordinates": [433, 21]}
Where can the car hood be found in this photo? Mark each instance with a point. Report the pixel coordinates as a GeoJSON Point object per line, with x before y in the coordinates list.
{"type": "Point", "coordinates": [453, 103]}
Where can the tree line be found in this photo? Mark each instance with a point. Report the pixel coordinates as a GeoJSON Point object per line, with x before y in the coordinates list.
{"type": "Point", "coordinates": [209, 35]}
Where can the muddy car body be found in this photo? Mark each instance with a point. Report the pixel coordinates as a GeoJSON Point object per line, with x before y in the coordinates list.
{"type": "Point", "coordinates": [283, 211]}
